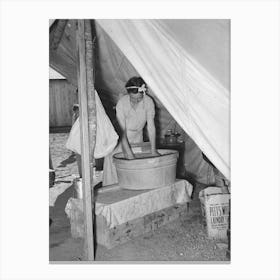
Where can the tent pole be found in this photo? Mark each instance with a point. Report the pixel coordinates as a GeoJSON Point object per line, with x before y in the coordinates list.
{"type": "Point", "coordinates": [90, 87]}
{"type": "Point", "coordinates": [88, 129]}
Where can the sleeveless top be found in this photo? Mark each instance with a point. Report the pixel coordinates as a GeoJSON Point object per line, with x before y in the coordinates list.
{"type": "Point", "coordinates": [134, 119]}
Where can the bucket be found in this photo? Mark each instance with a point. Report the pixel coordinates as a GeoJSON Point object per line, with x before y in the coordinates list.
{"type": "Point", "coordinates": [146, 172]}
{"type": "Point", "coordinates": [78, 188]}
{"type": "Point", "coordinates": [78, 183]}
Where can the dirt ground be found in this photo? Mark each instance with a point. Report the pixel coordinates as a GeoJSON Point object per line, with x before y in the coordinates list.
{"type": "Point", "coordinates": [183, 240]}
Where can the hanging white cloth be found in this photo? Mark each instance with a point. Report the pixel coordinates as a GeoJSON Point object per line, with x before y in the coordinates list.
{"type": "Point", "coordinates": [106, 136]}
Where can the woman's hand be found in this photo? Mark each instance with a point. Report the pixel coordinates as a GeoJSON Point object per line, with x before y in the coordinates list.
{"type": "Point", "coordinates": [129, 155]}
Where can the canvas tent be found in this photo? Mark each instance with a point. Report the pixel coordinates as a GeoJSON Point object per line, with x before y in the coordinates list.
{"type": "Point", "coordinates": [186, 66]}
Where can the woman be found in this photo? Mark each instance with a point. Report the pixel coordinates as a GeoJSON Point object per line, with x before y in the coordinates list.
{"type": "Point", "coordinates": [134, 110]}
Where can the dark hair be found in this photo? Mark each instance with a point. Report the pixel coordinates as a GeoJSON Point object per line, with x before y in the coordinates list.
{"type": "Point", "coordinates": [134, 81]}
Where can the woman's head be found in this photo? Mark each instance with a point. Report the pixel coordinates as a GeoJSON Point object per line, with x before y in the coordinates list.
{"type": "Point", "coordinates": [135, 85]}
{"type": "Point", "coordinates": [136, 88]}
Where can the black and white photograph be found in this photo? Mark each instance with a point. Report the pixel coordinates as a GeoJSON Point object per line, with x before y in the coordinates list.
{"type": "Point", "coordinates": [139, 149]}
{"type": "Point", "coordinates": [158, 122]}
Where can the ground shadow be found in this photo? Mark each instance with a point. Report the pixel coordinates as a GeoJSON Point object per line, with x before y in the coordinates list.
{"type": "Point", "coordinates": [69, 160]}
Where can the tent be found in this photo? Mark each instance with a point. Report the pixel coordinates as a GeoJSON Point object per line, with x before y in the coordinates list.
{"type": "Point", "coordinates": [186, 66]}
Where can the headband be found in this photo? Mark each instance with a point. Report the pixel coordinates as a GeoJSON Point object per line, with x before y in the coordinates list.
{"type": "Point", "coordinates": [140, 89]}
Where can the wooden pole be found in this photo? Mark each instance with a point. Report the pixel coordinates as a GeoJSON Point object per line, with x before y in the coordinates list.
{"type": "Point", "coordinates": [88, 132]}
{"type": "Point", "coordinates": [90, 87]}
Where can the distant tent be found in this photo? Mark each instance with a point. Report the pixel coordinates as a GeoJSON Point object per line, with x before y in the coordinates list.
{"type": "Point", "coordinates": [186, 66]}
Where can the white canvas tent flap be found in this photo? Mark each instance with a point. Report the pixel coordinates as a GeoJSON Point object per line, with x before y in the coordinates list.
{"type": "Point", "coordinates": [197, 101]}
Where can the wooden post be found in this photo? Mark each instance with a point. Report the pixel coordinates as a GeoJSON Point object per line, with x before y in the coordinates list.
{"type": "Point", "coordinates": [88, 128]}
{"type": "Point", "coordinates": [90, 87]}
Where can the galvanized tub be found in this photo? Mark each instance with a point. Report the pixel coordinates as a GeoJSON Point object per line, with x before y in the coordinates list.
{"type": "Point", "coordinates": [146, 171]}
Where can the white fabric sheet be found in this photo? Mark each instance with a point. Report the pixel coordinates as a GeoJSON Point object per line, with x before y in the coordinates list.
{"type": "Point", "coordinates": [120, 206]}
{"type": "Point", "coordinates": [192, 96]}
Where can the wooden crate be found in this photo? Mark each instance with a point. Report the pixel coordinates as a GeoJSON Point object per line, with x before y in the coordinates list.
{"type": "Point", "coordinates": [110, 237]}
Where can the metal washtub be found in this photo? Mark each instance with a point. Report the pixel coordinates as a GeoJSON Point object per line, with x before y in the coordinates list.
{"type": "Point", "coordinates": [146, 172]}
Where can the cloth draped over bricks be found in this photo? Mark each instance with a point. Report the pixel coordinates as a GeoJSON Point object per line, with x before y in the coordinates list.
{"type": "Point", "coordinates": [120, 206]}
